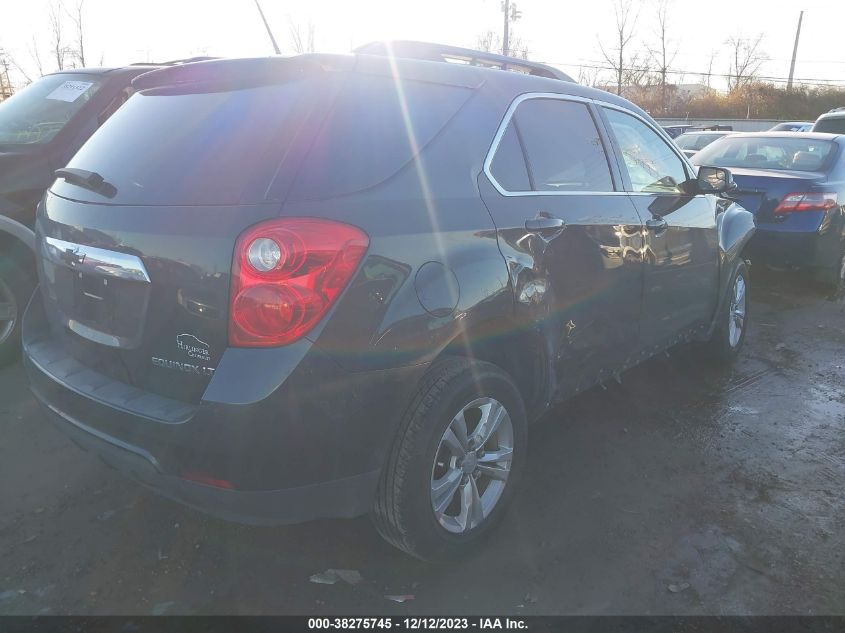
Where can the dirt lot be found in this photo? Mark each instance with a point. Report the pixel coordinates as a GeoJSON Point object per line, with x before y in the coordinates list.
{"type": "Point", "coordinates": [684, 490]}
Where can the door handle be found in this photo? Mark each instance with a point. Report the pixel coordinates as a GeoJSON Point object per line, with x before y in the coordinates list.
{"type": "Point", "coordinates": [657, 225]}
{"type": "Point", "coordinates": [544, 223]}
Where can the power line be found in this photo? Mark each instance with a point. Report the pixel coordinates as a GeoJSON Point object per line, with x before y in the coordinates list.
{"type": "Point", "coordinates": [644, 69]}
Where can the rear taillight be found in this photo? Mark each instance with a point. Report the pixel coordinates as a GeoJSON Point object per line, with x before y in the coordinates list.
{"type": "Point", "coordinates": [807, 201]}
{"type": "Point", "coordinates": [286, 274]}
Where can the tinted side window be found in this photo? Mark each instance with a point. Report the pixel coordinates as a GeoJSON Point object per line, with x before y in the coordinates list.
{"type": "Point", "coordinates": [652, 166]}
{"type": "Point", "coordinates": [508, 166]}
{"type": "Point", "coordinates": [562, 146]}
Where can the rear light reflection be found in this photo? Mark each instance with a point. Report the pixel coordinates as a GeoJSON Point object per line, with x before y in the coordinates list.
{"type": "Point", "coordinates": [807, 201]}
{"type": "Point", "coordinates": [286, 274]}
{"type": "Point", "coordinates": [207, 480]}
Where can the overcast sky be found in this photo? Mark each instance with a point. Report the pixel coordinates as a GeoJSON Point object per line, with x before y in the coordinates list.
{"type": "Point", "coordinates": [560, 32]}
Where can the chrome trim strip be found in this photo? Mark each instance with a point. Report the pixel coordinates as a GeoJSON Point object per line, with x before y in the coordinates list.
{"type": "Point", "coordinates": [95, 260]}
{"type": "Point", "coordinates": [94, 335]}
{"type": "Point", "coordinates": [503, 126]}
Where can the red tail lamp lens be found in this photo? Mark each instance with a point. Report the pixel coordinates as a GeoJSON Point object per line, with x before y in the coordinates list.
{"type": "Point", "coordinates": [286, 274]}
{"type": "Point", "coordinates": [807, 201]}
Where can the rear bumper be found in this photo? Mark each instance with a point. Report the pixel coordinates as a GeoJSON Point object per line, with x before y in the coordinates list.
{"type": "Point", "coordinates": [784, 249]}
{"type": "Point", "coordinates": [341, 498]}
{"type": "Point", "coordinates": [312, 447]}
{"type": "Point", "coordinates": [794, 249]}
{"type": "Point", "coordinates": [811, 239]}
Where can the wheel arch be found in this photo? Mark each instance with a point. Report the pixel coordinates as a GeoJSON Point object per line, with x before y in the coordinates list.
{"type": "Point", "coordinates": [735, 226]}
{"type": "Point", "coordinates": [17, 242]}
{"type": "Point", "coordinates": [10, 228]}
{"type": "Point", "coordinates": [518, 350]}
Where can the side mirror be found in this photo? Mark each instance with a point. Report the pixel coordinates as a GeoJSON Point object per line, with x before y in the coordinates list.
{"type": "Point", "coordinates": [715, 180]}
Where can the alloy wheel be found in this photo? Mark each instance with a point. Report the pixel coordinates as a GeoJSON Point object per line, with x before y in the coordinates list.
{"type": "Point", "coordinates": [736, 317]}
{"type": "Point", "coordinates": [842, 271]}
{"type": "Point", "coordinates": [472, 465]}
{"type": "Point", "coordinates": [8, 311]}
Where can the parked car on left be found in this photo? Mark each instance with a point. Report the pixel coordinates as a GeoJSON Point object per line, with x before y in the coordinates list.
{"type": "Point", "coordinates": [41, 128]}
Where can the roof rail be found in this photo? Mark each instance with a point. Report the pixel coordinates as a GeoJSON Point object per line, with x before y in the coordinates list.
{"type": "Point", "coordinates": [176, 62]}
{"type": "Point", "coordinates": [839, 109]}
{"type": "Point", "coordinates": [443, 53]}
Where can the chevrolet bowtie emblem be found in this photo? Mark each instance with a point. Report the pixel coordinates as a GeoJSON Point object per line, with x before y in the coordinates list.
{"type": "Point", "coordinates": [72, 257]}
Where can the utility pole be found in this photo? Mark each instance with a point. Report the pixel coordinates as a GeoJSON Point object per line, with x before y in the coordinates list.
{"type": "Point", "coordinates": [794, 52]}
{"type": "Point", "coordinates": [506, 9]}
{"type": "Point", "coordinates": [267, 26]}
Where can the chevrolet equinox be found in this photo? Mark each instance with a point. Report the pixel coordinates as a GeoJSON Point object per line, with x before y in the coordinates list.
{"type": "Point", "coordinates": [330, 285]}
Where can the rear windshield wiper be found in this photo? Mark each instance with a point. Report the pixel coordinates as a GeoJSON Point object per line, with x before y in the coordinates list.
{"type": "Point", "coordinates": [90, 180]}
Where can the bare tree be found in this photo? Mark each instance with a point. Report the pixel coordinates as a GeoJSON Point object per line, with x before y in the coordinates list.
{"type": "Point", "coordinates": [638, 71]}
{"type": "Point", "coordinates": [747, 58]}
{"type": "Point", "coordinates": [587, 76]}
{"type": "Point", "coordinates": [76, 17]}
{"type": "Point", "coordinates": [57, 46]}
{"type": "Point", "coordinates": [5, 85]}
{"type": "Point", "coordinates": [626, 19]}
{"type": "Point", "coordinates": [663, 55]}
{"type": "Point", "coordinates": [34, 53]}
{"type": "Point", "coordinates": [491, 42]}
{"type": "Point", "coordinates": [11, 60]}
{"type": "Point", "coordinates": [705, 79]}
{"type": "Point", "coordinates": [301, 45]}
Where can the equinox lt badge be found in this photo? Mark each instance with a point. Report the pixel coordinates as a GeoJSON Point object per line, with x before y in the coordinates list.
{"type": "Point", "coordinates": [183, 367]}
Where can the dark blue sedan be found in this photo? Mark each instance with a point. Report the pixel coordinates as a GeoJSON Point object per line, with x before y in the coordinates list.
{"type": "Point", "coordinates": [794, 184]}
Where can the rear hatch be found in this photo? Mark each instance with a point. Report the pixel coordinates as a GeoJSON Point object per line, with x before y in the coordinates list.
{"type": "Point", "coordinates": [761, 190]}
{"type": "Point", "coordinates": [136, 237]}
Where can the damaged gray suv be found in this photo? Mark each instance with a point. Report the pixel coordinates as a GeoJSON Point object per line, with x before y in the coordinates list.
{"type": "Point", "coordinates": [331, 285]}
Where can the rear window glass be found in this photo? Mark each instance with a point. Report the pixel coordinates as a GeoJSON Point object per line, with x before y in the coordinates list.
{"type": "Point", "coordinates": [833, 125]}
{"type": "Point", "coordinates": [760, 152]}
{"type": "Point", "coordinates": [376, 127]}
{"type": "Point", "coordinates": [191, 149]}
{"type": "Point", "coordinates": [37, 113]}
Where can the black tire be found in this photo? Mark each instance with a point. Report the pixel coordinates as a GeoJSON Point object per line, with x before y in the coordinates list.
{"type": "Point", "coordinates": [403, 512]}
{"type": "Point", "coordinates": [721, 348]}
{"type": "Point", "coordinates": [17, 286]}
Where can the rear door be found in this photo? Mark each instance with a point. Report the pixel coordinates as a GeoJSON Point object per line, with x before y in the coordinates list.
{"type": "Point", "coordinates": [681, 250]}
{"type": "Point", "coordinates": [571, 236]}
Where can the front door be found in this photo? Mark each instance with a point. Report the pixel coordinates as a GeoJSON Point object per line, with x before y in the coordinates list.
{"type": "Point", "coordinates": [682, 252]}
{"type": "Point", "coordinates": [572, 238]}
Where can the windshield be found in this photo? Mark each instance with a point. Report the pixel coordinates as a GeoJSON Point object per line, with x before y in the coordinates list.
{"type": "Point", "coordinates": [791, 127]}
{"type": "Point", "coordinates": [696, 141]}
{"type": "Point", "coordinates": [760, 152]}
{"type": "Point", "coordinates": [38, 112]}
